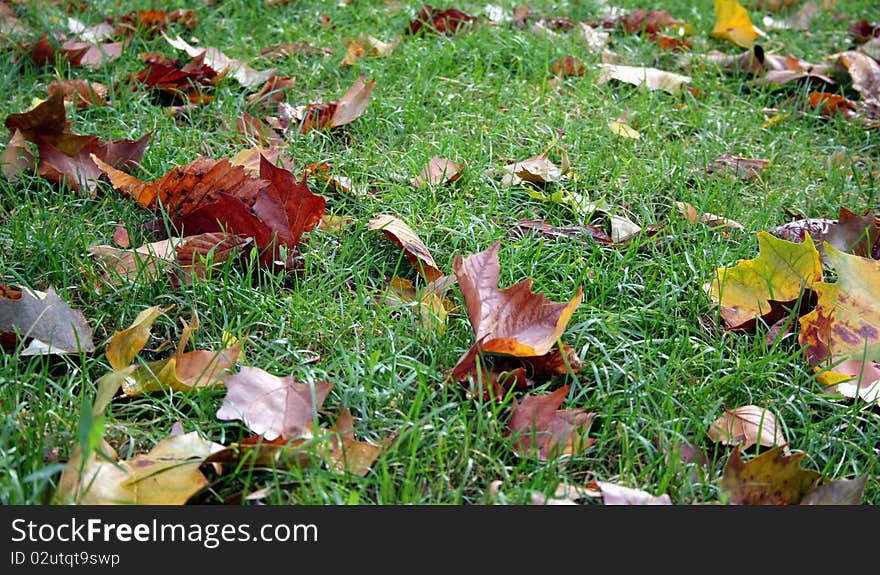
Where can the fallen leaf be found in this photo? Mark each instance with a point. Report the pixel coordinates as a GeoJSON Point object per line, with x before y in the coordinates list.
{"type": "Point", "coordinates": [167, 475]}
{"type": "Point", "coordinates": [771, 478]}
{"type": "Point", "coordinates": [613, 494]}
{"type": "Point", "coordinates": [344, 454]}
{"type": "Point", "coordinates": [150, 261]}
{"type": "Point", "coordinates": [124, 345]}
{"type": "Point", "coordinates": [272, 92]}
{"type": "Point", "coordinates": [221, 63]}
{"type": "Point", "coordinates": [568, 66]}
{"type": "Point", "coordinates": [355, 49]}
{"type": "Point", "coordinates": [438, 171]}
{"type": "Point", "coordinates": [690, 213]}
{"type": "Point", "coordinates": [429, 301]}
{"type": "Point", "coordinates": [864, 71]}
{"type": "Point", "coordinates": [491, 376]}
{"type": "Point", "coordinates": [121, 238]}
{"type": "Point", "coordinates": [759, 287]}
{"type": "Point", "coordinates": [182, 371]}
{"type": "Point", "coordinates": [17, 158]}
{"type": "Point", "coordinates": [51, 325]}
{"type": "Point", "coordinates": [199, 254]}
{"type": "Point", "coordinates": [736, 166]}
{"type": "Point", "coordinates": [845, 325]}
{"type": "Point", "coordinates": [446, 21]}
{"type": "Point", "coordinates": [537, 170]}
{"type": "Point", "coordinates": [513, 321]}
{"type": "Point", "coordinates": [732, 23]}
{"type": "Point", "coordinates": [537, 426]}
{"type": "Point", "coordinates": [747, 425]}
{"type": "Point", "coordinates": [837, 492]}
{"type": "Point", "coordinates": [272, 406]}
{"type": "Point", "coordinates": [257, 451]}
{"type": "Point", "coordinates": [406, 239]}
{"type": "Point", "coordinates": [651, 78]}
{"type": "Point", "coordinates": [624, 129]}
{"type": "Point", "coordinates": [80, 92]}
{"type": "Point", "coordinates": [832, 104]}
{"type": "Point", "coordinates": [800, 20]}
{"type": "Point", "coordinates": [863, 31]}
{"type": "Point", "coordinates": [347, 109]}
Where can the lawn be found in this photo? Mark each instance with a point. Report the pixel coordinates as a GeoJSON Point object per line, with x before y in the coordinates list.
{"type": "Point", "coordinates": [657, 362]}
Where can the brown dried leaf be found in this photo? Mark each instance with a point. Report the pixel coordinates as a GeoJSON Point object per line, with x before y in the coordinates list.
{"type": "Point", "coordinates": [272, 406]}
{"type": "Point", "coordinates": [747, 425]}
{"type": "Point", "coordinates": [221, 63]}
{"type": "Point", "coordinates": [438, 171]}
{"type": "Point", "coordinates": [147, 261]}
{"type": "Point", "coordinates": [352, 104]}
{"type": "Point", "coordinates": [537, 169]}
{"type": "Point", "coordinates": [80, 92]}
{"type": "Point", "coordinates": [736, 166]}
{"type": "Point", "coordinates": [514, 321]}
{"type": "Point", "coordinates": [568, 66]}
{"type": "Point", "coordinates": [344, 454]}
{"type": "Point", "coordinates": [406, 239]}
{"type": "Point", "coordinates": [538, 426]}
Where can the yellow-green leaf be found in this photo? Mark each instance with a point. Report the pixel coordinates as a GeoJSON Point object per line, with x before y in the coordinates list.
{"type": "Point", "coordinates": [182, 372]}
{"type": "Point", "coordinates": [779, 274]}
{"type": "Point", "coordinates": [732, 23]}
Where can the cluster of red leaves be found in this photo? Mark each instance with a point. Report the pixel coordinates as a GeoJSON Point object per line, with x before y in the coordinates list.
{"type": "Point", "coordinates": [188, 83]}
{"type": "Point", "coordinates": [64, 156]}
{"type": "Point", "coordinates": [215, 197]}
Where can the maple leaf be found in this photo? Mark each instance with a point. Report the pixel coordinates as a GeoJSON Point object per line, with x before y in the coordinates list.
{"type": "Point", "coordinates": [864, 71]}
{"type": "Point", "coordinates": [438, 171]}
{"type": "Point", "coordinates": [732, 23]}
{"type": "Point", "coordinates": [513, 321]}
{"type": "Point", "coordinates": [272, 92]}
{"type": "Point", "coordinates": [182, 371]}
{"type": "Point", "coordinates": [272, 406]}
{"type": "Point", "coordinates": [174, 82]}
{"type": "Point", "coordinates": [771, 478]}
{"type": "Point", "coordinates": [845, 326]}
{"type": "Point", "coordinates": [746, 426]}
{"type": "Point", "coordinates": [757, 288]}
{"type": "Point", "coordinates": [65, 156]}
{"type": "Point", "coordinates": [538, 426]}
{"type": "Point", "coordinates": [355, 49]}
{"type": "Point", "coordinates": [166, 475]}
{"type": "Point", "coordinates": [209, 196]}
{"type": "Point", "coordinates": [51, 325]}
{"type": "Point", "coordinates": [406, 239]}
{"type": "Point", "coordinates": [651, 78]}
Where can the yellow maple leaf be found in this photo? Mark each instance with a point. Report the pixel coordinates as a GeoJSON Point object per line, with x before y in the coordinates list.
{"type": "Point", "coordinates": [732, 23]}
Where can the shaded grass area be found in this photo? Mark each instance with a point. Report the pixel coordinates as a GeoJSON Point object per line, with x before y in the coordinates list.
{"type": "Point", "coordinates": [658, 368]}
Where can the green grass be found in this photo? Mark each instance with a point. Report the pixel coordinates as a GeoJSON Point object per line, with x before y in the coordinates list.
{"type": "Point", "coordinates": [657, 364]}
